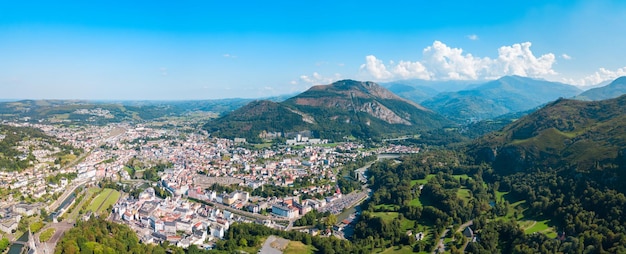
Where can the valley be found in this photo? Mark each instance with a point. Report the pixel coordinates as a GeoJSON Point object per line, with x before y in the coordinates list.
{"type": "Point", "coordinates": [421, 183]}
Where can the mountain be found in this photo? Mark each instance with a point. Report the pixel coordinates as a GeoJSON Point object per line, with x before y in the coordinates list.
{"type": "Point", "coordinates": [102, 112]}
{"type": "Point", "coordinates": [418, 90]}
{"type": "Point", "coordinates": [413, 93]}
{"type": "Point", "coordinates": [584, 135]}
{"type": "Point", "coordinates": [612, 90]}
{"type": "Point", "coordinates": [344, 108]}
{"type": "Point", "coordinates": [508, 94]}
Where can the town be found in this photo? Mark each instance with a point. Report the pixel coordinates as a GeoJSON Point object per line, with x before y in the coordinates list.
{"type": "Point", "coordinates": [177, 184]}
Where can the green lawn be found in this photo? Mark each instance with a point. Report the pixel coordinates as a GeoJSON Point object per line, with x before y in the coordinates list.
{"type": "Point", "coordinates": [500, 195]}
{"type": "Point", "coordinates": [387, 216]}
{"type": "Point", "coordinates": [386, 207]}
{"type": "Point", "coordinates": [405, 223]}
{"type": "Point", "coordinates": [88, 194]}
{"type": "Point", "coordinates": [540, 227]}
{"type": "Point", "coordinates": [422, 181]}
{"type": "Point", "coordinates": [398, 250]}
{"type": "Point", "coordinates": [46, 235]}
{"type": "Point", "coordinates": [95, 203]}
{"type": "Point", "coordinates": [463, 194]}
{"type": "Point", "coordinates": [416, 202]}
{"type": "Point", "coordinates": [104, 200]}
{"type": "Point", "coordinates": [115, 195]}
{"type": "Point", "coordinates": [296, 247]}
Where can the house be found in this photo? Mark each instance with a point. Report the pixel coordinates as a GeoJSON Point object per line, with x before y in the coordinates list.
{"type": "Point", "coordinates": [169, 227]}
{"type": "Point", "coordinates": [183, 226]}
{"type": "Point", "coordinates": [87, 216]}
{"type": "Point", "coordinates": [9, 225]}
{"type": "Point", "coordinates": [200, 234]}
{"type": "Point", "coordinates": [217, 231]}
{"type": "Point", "coordinates": [158, 237]}
{"type": "Point", "coordinates": [420, 236]}
{"type": "Point", "coordinates": [468, 232]}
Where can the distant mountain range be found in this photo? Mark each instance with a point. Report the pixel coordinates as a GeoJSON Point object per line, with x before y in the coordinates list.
{"type": "Point", "coordinates": [419, 90]}
{"type": "Point", "coordinates": [566, 133]}
{"type": "Point", "coordinates": [342, 109]}
{"type": "Point", "coordinates": [614, 89]}
{"type": "Point", "coordinates": [122, 110]}
{"type": "Point", "coordinates": [506, 95]}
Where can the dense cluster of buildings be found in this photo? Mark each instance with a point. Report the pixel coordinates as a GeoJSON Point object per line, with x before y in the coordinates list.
{"type": "Point", "coordinates": [195, 162]}
{"type": "Point", "coordinates": [175, 220]}
{"type": "Point", "coordinates": [10, 215]}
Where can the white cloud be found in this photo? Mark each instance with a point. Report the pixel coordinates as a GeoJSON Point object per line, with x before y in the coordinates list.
{"type": "Point", "coordinates": [441, 62]}
{"type": "Point", "coordinates": [316, 79]}
{"type": "Point", "coordinates": [473, 37]}
{"type": "Point", "coordinates": [376, 68]}
{"type": "Point", "coordinates": [518, 59]}
{"type": "Point", "coordinates": [566, 56]}
{"type": "Point", "coordinates": [229, 56]}
{"type": "Point", "coordinates": [407, 69]}
{"type": "Point", "coordinates": [598, 77]}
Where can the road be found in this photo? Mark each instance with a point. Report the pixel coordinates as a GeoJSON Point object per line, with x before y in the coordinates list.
{"type": "Point", "coordinates": [244, 213]}
{"type": "Point", "coordinates": [60, 229]}
{"type": "Point", "coordinates": [52, 207]}
{"type": "Point", "coordinates": [441, 247]}
{"type": "Point", "coordinates": [460, 229]}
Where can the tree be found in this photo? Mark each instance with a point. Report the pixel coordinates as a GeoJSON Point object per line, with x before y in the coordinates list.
{"type": "Point", "coordinates": [4, 244]}
{"type": "Point", "coordinates": [243, 242]}
{"type": "Point", "coordinates": [22, 226]}
{"type": "Point", "coordinates": [330, 221]}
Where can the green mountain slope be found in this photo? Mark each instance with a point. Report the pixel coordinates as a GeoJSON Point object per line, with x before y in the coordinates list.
{"type": "Point", "coordinates": [508, 94]}
{"type": "Point", "coordinates": [564, 134]}
{"type": "Point", "coordinates": [344, 108]}
{"type": "Point", "coordinates": [612, 90]}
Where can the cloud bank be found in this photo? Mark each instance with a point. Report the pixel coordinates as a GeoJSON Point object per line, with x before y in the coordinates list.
{"type": "Point", "coordinates": [441, 62]}
{"type": "Point", "coordinates": [598, 77]}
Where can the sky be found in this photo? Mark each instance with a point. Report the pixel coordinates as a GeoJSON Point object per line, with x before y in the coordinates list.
{"type": "Point", "coordinates": [186, 49]}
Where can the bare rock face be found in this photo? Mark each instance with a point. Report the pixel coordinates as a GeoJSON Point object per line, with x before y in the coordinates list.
{"type": "Point", "coordinates": [381, 112]}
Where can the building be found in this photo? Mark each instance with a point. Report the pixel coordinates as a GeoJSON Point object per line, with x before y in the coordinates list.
{"type": "Point", "coordinates": [285, 211]}
{"type": "Point", "coordinates": [26, 209]}
{"type": "Point", "coordinates": [9, 225]}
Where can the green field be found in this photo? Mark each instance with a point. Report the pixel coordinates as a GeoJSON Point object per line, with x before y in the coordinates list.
{"type": "Point", "coordinates": [538, 227]}
{"type": "Point", "coordinates": [46, 235]}
{"type": "Point", "coordinates": [296, 247]}
{"type": "Point", "coordinates": [386, 207]}
{"type": "Point", "coordinates": [105, 199]}
{"type": "Point", "coordinates": [463, 194]}
{"type": "Point", "coordinates": [529, 225]}
{"type": "Point", "coordinates": [422, 181]}
{"type": "Point", "coordinates": [416, 202]}
{"type": "Point", "coordinates": [86, 198]}
{"type": "Point", "coordinates": [387, 216]}
{"type": "Point", "coordinates": [399, 250]}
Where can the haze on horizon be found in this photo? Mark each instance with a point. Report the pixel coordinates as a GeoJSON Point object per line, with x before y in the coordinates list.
{"type": "Point", "coordinates": [170, 50]}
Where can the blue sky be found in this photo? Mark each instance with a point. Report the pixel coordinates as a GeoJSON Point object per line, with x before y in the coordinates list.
{"type": "Point", "coordinates": [217, 49]}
